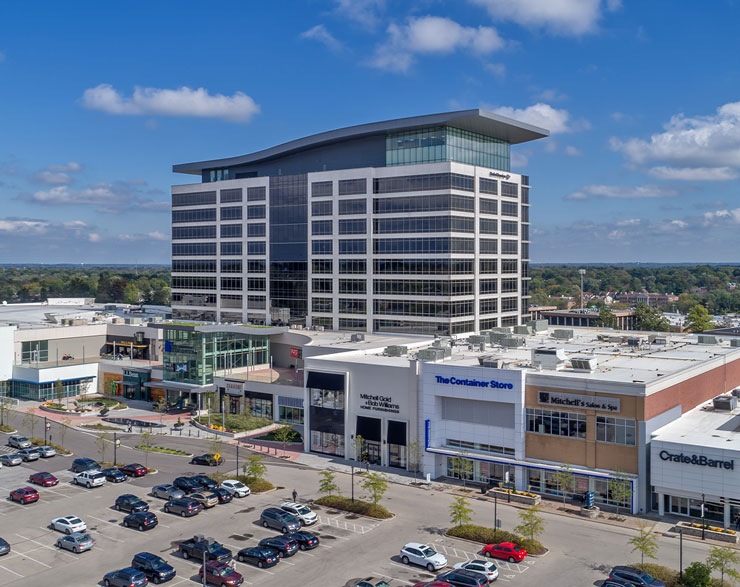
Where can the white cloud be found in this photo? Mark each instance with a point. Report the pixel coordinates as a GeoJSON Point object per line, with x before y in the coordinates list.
{"type": "Point", "coordinates": [556, 120]}
{"type": "Point", "coordinates": [622, 192]}
{"type": "Point", "coordinates": [551, 96]}
{"type": "Point", "coordinates": [519, 159]}
{"type": "Point", "coordinates": [322, 35]}
{"type": "Point", "coordinates": [363, 12]}
{"type": "Point", "coordinates": [497, 69]}
{"type": "Point", "coordinates": [183, 101]}
{"type": "Point", "coordinates": [158, 236]}
{"type": "Point", "coordinates": [620, 116]}
{"type": "Point", "coordinates": [615, 235]}
{"type": "Point", "coordinates": [23, 227]}
{"type": "Point", "coordinates": [551, 146]}
{"type": "Point", "coordinates": [628, 222]}
{"type": "Point", "coordinates": [573, 151]}
{"type": "Point", "coordinates": [431, 35]}
{"type": "Point", "coordinates": [560, 17]}
{"type": "Point", "coordinates": [56, 174]}
{"type": "Point", "coordinates": [72, 166]}
{"type": "Point", "coordinates": [94, 237]}
{"type": "Point", "coordinates": [109, 198]}
{"type": "Point", "coordinates": [709, 144]}
{"type": "Point", "coordinates": [722, 216]}
{"type": "Point", "coordinates": [694, 173]}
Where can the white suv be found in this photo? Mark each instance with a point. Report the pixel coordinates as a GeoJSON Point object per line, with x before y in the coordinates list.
{"type": "Point", "coordinates": [89, 479]}
{"type": "Point", "coordinates": [422, 555]}
{"type": "Point", "coordinates": [300, 511]}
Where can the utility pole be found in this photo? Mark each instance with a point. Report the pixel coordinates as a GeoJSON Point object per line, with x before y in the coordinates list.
{"type": "Point", "coordinates": [115, 446]}
{"type": "Point", "coordinates": [353, 483]}
{"type": "Point", "coordinates": [495, 511]}
{"type": "Point", "coordinates": [205, 582]}
{"type": "Point", "coordinates": [46, 427]}
{"type": "Point", "coordinates": [703, 524]}
{"type": "Point", "coordinates": [237, 457]}
{"type": "Point", "coordinates": [680, 552]}
{"type": "Point", "coordinates": [581, 272]}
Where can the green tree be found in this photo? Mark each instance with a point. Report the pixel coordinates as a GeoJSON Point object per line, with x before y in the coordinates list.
{"type": "Point", "coordinates": [29, 420]}
{"type": "Point", "coordinates": [215, 446]}
{"type": "Point", "coordinates": [460, 511]}
{"type": "Point", "coordinates": [65, 424]}
{"type": "Point", "coordinates": [130, 293]}
{"type": "Point", "coordinates": [646, 542]}
{"type": "Point", "coordinates": [283, 434]}
{"type": "Point", "coordinates": [462, 468]}
{"type": "Point", "coordinates": [327, 486]}
{"type": "Point", "coordinates": [531, 522]}
{"type": "Point", "coordinates": [723, 559]}
{"type": "Point", "coordinates": [697, 574]}
{"type": "Point", "coordinates": [414, 454]}
{"type": "Point", "coordinates": [649, 318]}
{"type": "Point", "coordinates": [699, 319]}
{"type": "Point", "coordinates": [565, 480]}
{"type": "Point", "coordinates": [607, 319]}
{"type": "Point", "coordinates": [359, 443]}
{"type": "Point", "coordinates": [376, 484]}
{"type": "Point", "coordinates": [620, 489]}
{"type": "Point", "coordinates": [101, 441]}
{"type": "Point", "coordinates": [58, 390]}
{"type": "Point", "coordinates": [254, 468]}
{"type": "Point", "coordinates": [146, 441]}
{"type": "Point", "coordinates": [5, 405]}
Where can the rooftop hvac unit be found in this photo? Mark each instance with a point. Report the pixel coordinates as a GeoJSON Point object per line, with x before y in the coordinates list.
{"type": "Point", "coordinates": [395, 350]}
{"type": "Point", "coordinates": [656, 339]}
{"type": "Point", "coordinates": [725, 402]}
{"type": "Point", "coordinates": [491, 362]}
{"type": "Point", "coordinates": [441, 343]}
{"type": "Point", "coordinates": [707, 339]}
{"type": "Point", "coordinates": [584, 363]}
{"type": "Point", "coordinates": [562, 333]}
{"type": "Point", "coordinates": [497, 337]}
{"type": "Point", "coordinates": [548, 358]}
{"type": "Point", "coordinates": [431, 354]}
{"type": "Point", "coordinates": [538, 325]}
{"type": "Point", "coordinates": [477, 339]}
{"type": "Point", "coordinates": [735, 342]}
{"type": "Point", "coordinates": [504, 329]}
{"type": "Point", "coordinates": [633, 341]}
{"type": "Point", "coordinates": [512, 342]}
{"type": "Point", "coordinates": [357, 337]}
{"type": "Point", "coordinates": [525, 330]}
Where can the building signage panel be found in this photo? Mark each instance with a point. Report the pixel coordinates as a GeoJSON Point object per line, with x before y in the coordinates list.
{"type": "Point", "coordinates": [296, 353]}
{"type": "Point", "coordinates": [496, 174]}
{"type": "Point", "coordinates": [701, 460]}
{"type": "Point", "coordinates": [573, 400]}
{"type": "Point", "coordinates": [378, 403]}
{"type": "Point", "coordinates": [491, 384]}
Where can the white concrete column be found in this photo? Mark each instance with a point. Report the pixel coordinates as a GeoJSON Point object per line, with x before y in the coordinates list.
{"type": "Point", "coordinates": [661, 504]}
{"type": "Point", "coordinates": [520, 478]}
{"type": "Point", "coordinates": [727, 520]}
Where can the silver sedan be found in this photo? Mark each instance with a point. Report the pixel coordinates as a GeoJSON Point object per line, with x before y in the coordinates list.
{"type": "Point", "coordinates": [47, 452]}
{"type": "Point", "coordinates": [167, 492]}
{"type": "Point", "coordinates": [11, 460]}
{"type": "Point", "coordinates": [76, 542]}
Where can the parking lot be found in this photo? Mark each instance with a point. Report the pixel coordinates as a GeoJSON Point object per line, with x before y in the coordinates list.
{"type": "Point", "coordinates": [351, 546]}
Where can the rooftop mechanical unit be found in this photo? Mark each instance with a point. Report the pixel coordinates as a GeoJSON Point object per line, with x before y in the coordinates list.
{"type": "Point", "coordinates": [538, 325]}
{"type": "Point", "coordinates": [492, 362]}
{"type": "Point", "coordinates": [587, 364]}
{"type": "Point", "coordinates": [504, 329]}
{"type": "Point", "coordinates": [548, 358]}
{"type": "Point", "coordinates": [396, 350]}
{"type": "Point", "coordinates": [562, 333]}
{"type": "Point", "coordinates": [725, 402]}
{"type": "Point", "coordinates": [735, 342]}
{"type": "Point", "coordinates": [357, 337]}
{"type": "Point", "coordinates": [477, 339]}
{"type": "Point", "coordinates": [431, 354]}
{"type": "Point", "coordinates": [497, 337]}
{"type": "Point", "coordinates": [655, 339]}
{"type": "Point", "coordinates": [522, 330]}
{"type": "Point", "coordinates": [707, 339]}
{"type": "Point", "coordinates": [512, 342]}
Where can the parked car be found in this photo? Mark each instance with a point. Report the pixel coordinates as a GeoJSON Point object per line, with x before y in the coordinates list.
{"type": "Point", "coordinates": [29, 454]}
{"type": "Point", "coordinates": [484, 567]}
{"type": "Point", "coordinates": [220, 574]}
{"type": "Point", "coordinates": [141, 520]}
{"type": "Point", "coordinates": [206, 499]}
{"type": "Point", "coordinates": [223, 495]}
{"type": "Point", "coordinates": [197, 547]}
{"type": "Point", "coordinates": [186, 484]}
{"type": "Point", "coordinates": [280, 520]}
{"type": "Point", "coordinates": [18, 441]}
{"type": "Point", "coordinates": [47, 452]}
{"type": "Point", "coordinates": [76, 542]}
{"type": "Point", "coordinates": [300, 511]}
{"type": "Point", "coordinates": [184, 506]}
{"type": "Point", "coordinates": [153, 566]}
{"type": "Point", "coordinates": [68, 524]}
{"type": "Point", "coordinates": [83, 464]}
{"type": "Point", "coordinates": [422, 555]}
{"type": "Point", "coordinates": [435, 583]}
{"type": "Point", "coordinates": [286, 547]}
{"type": "Point", "coordinates": [128, 577]}
{"type": "Point", "coordinates": [463, 578]}
{"type": "Point", "coordinates": [113, 475]}
{"type": "Point", "coordinates": [505, 550]}
{"type": "Point", "coordinates": [616, 582]}
{"type": "Point", "coordinates": [210, 460]}
{"type": "Point", "coordinates": [205, 482]}
{"type": "Point", "coordinates": [236, 488]}
{"type": "Point", "coordinates": [261, 557]}
{"type": "Point", "coordinates": [134, 470]}
{"type": "Point", "coordinates": [4, 547]}
{"type": "Point", "coordinates": [44, 479]}
{"type": "Point", "coordinates": [91, 478]}
{"type": "Point", "coordinates": [11, 460]}
{"type": "Point", "coordinates": [635, 576]}
{"type": "Point", "coordinates": [130, 503]}
{"type": "Point", "coordinates": [305, 540]}
{"type": "Point", "coordinates": [167, 492]}
{"type": "Point", "coordinates": [367, 582]}
{"type": "Point", "coordinates": [24, 495]}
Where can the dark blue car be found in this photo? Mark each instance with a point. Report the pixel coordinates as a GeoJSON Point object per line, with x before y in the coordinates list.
{"type": "Point", "coordinates": [128, 577]}
{"type": "Point", "coordinates": [153, 566]}
{"type": "Point", "coordinates": [261, 556]}
{"type": "Point", "coordinates": [113, 475]}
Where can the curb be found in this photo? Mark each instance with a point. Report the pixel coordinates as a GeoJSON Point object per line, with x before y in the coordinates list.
{"type": "Point", "coordinates": [167, 454]}
{"type": "Point", "coordinates": [481, 545]}
{"type": "Point", "coordinates": [13, 432]}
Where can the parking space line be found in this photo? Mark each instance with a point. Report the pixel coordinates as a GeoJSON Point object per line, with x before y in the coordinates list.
{"type": "Point", "coordinates": [44, 545]}
{"type": "Point", "coordinates": [106, 521]}
{"type": "Point", "coordinates": [392, 578]}
{"type": "Point", "coordinates": [7, 569]}
{"type": "Point", "coordinates": [33, 559]}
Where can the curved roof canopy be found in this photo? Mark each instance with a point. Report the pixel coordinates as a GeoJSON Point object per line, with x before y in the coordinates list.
{"type": "Point", "coordinates": [476, 120]}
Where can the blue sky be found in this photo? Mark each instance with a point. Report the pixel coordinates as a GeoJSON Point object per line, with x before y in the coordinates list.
{"type": "Point", "coordinates": [98, 100]}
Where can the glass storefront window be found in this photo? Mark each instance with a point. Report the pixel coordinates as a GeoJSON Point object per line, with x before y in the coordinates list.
{"type": "Point", "coordinates": [327, 443]}
{"type": "Point", "coordinates": [326, 398]}
{"type": "Point", "coordinates": [397, 456]}
{"type": "Point", "coordinates": [289, 415]}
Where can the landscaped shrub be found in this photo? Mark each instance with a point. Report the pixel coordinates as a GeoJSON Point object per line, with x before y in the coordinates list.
{"type": "Point", "coordinates": [490, 536]}
{"type": "Point", "coordinates": [364, 508]}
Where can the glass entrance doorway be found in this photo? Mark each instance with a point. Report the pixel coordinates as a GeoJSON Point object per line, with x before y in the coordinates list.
{"type": "Point", "coordinates": [372, 452]}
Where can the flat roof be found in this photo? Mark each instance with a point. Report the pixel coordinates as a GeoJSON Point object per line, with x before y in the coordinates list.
{"type": "Point", "coordinates": [475, 120]}
{"type": "Point", "coordinates": [703, 426]}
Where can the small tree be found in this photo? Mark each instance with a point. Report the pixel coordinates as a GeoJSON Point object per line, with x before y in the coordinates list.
{"type": "Point", "coordinates": [214, 446]}
{"type": "Point", "coordinates": [29, 420]}
{"type": "Point", "coordinates": [620, 489]}
{"type": "Point", "coordinates": [101, 441]}
{"type": "Point", "coordinates": [66, 423]}
{"type": "Point", "coordinates": [646, 542]}
{"type": "Point", "coordinates": [698, 319]}
{"type": "Point", "coordinates": [283, 434]}
{"type": "Point", "coordinates": [327, 486]}
{"type": "Point", "coordinates": [723, 559]}
{"type": "Point", "coordinates": [359, 448]}
{"type": "Point", "coordinates": [565, 480]}
{"type": "Point", "coordinates": [414, 454]}
{"type": "Point", "coordinates": [58, 393]}
{"type": "Point", "coordinates": [461, 468]}
{"type": "Point", "coordinates": [254, 468]}
{"type": "Point", "coordinates": [697, 574]}
{"type": "Point", "coordinates": [531, 522]}
{"type": "Point", "coordinates": [146, 440]}
{"type": "Point", "coordinates": [460, 511]}
{"type": "Point", "coordinates": [4, 409]}
{"type": "Point", "coordinates": [376, 484]}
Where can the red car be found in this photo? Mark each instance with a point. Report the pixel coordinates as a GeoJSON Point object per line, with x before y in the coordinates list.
{"type": "Point", "coordinates": [24, 495]}
{"type": "Point", "coordinates": [506, 550]}
{"type": "Point", "coordinates": [43, 479]}
{"type": "Point", "coordinates": [133, 470]}
{"type": "Point", "coordinates": [221, 574]}
{"type": "Point", "coordinates": [434, 584]}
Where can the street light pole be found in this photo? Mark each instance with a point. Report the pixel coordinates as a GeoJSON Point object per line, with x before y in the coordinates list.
{"type": "Point", "coordinates": [46, 425]}
{"type": "Point", "coordinates": [680, 552]}
{"type": "Point", "coordinates": [495, 511]}
{"type": "Point", "coordinates": [115, 445]}
{"type": "Point", "coordinates": [237, 457]}
{"type": "Point", "coordinates": [702, 516]}
{"type": "Point", "coordinates": [205, 582]}
{"type": "Point", "coordinates": [582, 272]}
{"type": "Point", "coordinates": [353, 482]}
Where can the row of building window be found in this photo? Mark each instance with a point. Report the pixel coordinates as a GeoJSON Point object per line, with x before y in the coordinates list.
{"type": "Point", "coordinates": [467, 445]}
{"type": "Point", "coordinates": [423, 287]}
{"type": "Point", "coordinates": [424, 245]}
{"type": "Point", "coordinates": [420, 183]}
{"type": "Point", "coordinates": [345, 306]}
{"type": "Point", "coordinates": [199, 215]}
{"type": "Point", "coordinates": [193, 199]}
{"type": "Point", "coordinates": [345, 207]}
{"type": "Point", "coordinates": [346, 247]}
{"type": "Point", "coordinates": [421, 308]}
{"type": "Point", "coordinates": [419, 327]}
{"type": "Point", "coordinates": [346, 286]}
{"type": "Point", "coordinates": [427, 203]}
{"type": "Point", "coordinates": [345, 266]}
{"type": "Point", "coordinates": [326, 227]}
{"type": "Point", "coordinates": [193, 232]}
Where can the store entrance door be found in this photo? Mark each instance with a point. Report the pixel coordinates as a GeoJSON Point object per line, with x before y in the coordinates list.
{"type": "Point", "coordinates": [369, 429]}
{"type": "Point", "coordinates": [372, 452]}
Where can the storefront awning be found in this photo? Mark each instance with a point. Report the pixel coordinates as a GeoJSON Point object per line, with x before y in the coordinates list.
{"type": "Point", "coordinates": [328, 381]}
{"type": "Point", "coordinates": [177, 386]}
{"type": "Point", "coordinates": [127, 344]}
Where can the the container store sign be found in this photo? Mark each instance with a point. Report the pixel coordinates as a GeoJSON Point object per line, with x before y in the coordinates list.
{"type": "Point", "coordinates": [573, 400]}
{"type": "Point", "coordinates": [379, 403]}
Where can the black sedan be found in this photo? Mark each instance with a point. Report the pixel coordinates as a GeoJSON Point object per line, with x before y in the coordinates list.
{"type": "Point", "coordinates": [223, 495]}
{"type": "Point", "coordinates": [205, 482]}
{"type": "Point", "coordinates": [211, 460]}
{"type": "Point", "coordinates": [113, 475]}
{"type": "Point", "coordinates": [262, 557]}
{"type": "Point", "coordinates": [285, 546]}
{"type": "Point", "coordinates": [305, 540]}
{"type": "Point", "coordinates": [141, 520]}
{"type": "Point", "coordinates": [130, 503]}
{"type": "Point", "coordinates": [186, 484]}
